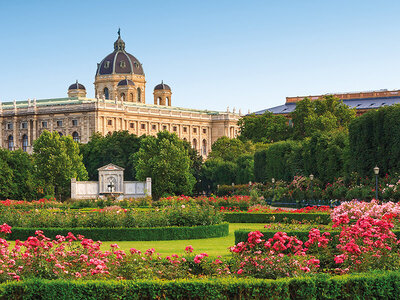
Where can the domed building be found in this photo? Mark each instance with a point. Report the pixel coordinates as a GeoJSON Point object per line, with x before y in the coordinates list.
{"type": "Point", "coordinates": [117, 66]}
{"type": "Point", "coordinates": [120, 104]}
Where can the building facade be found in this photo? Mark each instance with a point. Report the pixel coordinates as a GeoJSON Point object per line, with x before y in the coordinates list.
{"type": "Point", "coordinates": [120, 104]}
{"type": "Point", "coordinates": [361, 101]}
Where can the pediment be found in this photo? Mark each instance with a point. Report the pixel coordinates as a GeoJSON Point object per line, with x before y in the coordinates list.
{"type": "Point", "coordinates": [111, 167]}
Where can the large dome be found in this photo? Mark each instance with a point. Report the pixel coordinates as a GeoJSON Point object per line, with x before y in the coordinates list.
{"type": "Point", "coordinates": [119, 62]}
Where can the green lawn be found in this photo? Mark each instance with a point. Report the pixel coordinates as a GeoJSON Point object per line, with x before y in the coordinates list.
{"type": "Point", "coordinates": [212, 246]}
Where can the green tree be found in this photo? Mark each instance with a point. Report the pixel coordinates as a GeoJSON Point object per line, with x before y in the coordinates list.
{"type": "Point", "coordinates": [230, 149]}
{"type": "Point", "coordinates": [166, 160]}
{"type": "Point", "coordinates": [17, 175]}
{"type": "Point", "coordinates": [217, 171]}
{"type": "Point", "coordinates": [57, 160]}
{"type": "Point", "coordinates": [265, 128]}
{"type": "Point", "coordinates": [322, 115]}
{"type": "Point", "coordinates": [115, 148]}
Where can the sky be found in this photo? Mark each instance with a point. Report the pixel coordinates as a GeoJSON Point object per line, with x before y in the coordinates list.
{"type": "Point", "coordinates": [244, 54]}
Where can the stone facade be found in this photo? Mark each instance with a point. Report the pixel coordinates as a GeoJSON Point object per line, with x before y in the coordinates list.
{"type": "Point", "coordinates": [120, 104]}
{"type": "Point", "coordinates": [111, 183]}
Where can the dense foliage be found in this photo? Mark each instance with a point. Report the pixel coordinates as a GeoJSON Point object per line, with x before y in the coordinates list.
{"type": "Point", "coordinates": [166, 160]}
{"type": "Point", "coordinates": [375, 140]}
{"type": "Point", "coordinates": [57, 159]}
{"type": "Point", "coordinates": [113, 148]}
{"type": "Point", "coordinates": [265, 128]}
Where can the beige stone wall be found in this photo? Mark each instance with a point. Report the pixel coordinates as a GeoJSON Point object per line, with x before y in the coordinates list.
{"type": "Point", "coordinates": [199, 128]}
{"type": "Point", "coordinates": [111, 82]}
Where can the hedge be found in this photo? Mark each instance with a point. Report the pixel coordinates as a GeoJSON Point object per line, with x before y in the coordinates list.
{"type": "Point", "coordinates": [244, 217]}
{"type": "Point", "coordinates": [376, 285]}
{"type": "Point", "coordinates": [241, 235]}
{"type": "Point", "coordinates": [130, 234]}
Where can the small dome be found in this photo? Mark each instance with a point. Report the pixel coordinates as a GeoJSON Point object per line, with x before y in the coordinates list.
{"type": "Point", "coordinates": [77, 86]}
{"type": "Point", "coordinates": [126, 82]}
{"type": "Point", "coordinates": [162, 86]}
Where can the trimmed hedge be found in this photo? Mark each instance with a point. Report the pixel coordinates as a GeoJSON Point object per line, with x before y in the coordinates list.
{"type": "Point", "coordinates": [130, 234]}
{"type": "Point", "coordinates": [377, 285]}
{"type": "Point", "coordinates": [241, 235]}
{"type": "Point", "coordinates": [243, 217]}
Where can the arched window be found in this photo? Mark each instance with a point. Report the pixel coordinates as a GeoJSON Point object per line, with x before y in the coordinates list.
{"type": "Point", "coordinates": [167, 101]}
{"type": "Point", "coordinates": [194, 144]}
{"type": "Point", "coordinates": [139, 95]}
{"type": "Point", "coordinates": [106, 93]}
{"type": "Point", "coordinates": [10, 143]}
{"type": "Point", "coordinates": [123, 97]}
{"type": "Point", "coordinates": [185, 139]}
{"type": "Point", "coordinates": [24, 143]}
{"type": "Point", "coordinates": [204, 147]}
{"type": "Point", "coordinates": [131, 97]}
{"type": "Point", "coordinates": [75, 136]}
{"type": "Point", "coordinates": [159, 100]}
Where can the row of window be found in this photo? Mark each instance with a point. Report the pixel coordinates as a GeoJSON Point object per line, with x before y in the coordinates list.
{"type": "Point", "coordinates": [154, 127]}
{"type": "Point", "coordinates": [106, 93]}
{"type": "Point", "coordinates": [24, 125]}
{"type": "Point", "coordinates": [10, 141]}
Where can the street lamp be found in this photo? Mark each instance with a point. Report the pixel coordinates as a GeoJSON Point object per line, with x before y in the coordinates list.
{"type": "Point", "coordinates": [312, 189]}
{"type": "Point", "coordinates": [376, 171]}
{"type": "Point", "coordinates": [273, 188]}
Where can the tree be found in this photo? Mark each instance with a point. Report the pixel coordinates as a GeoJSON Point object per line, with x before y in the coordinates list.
{"type": "Point", "coordinates": [166, 160]}
{"type": "Point", "coordinates": [57, 160]}
{"type": "Point", "coordinates": [230, 149]}
{"type": "Point", "coordinates": [322, 115]}
{"type": "Point", "coordinates": [265, 128]}
{"type": "Point", "coordinates": [115, 148]}
{"type": "Point", "coordinates": [17, 175]}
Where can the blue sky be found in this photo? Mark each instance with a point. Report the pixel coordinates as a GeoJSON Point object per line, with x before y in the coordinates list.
{"type": "Point", "coordinates": [213, 54]}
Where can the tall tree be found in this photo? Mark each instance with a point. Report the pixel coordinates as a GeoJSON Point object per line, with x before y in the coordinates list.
{"type": "Point", "coordinates": [265, 128]}
{"type": "Point", "coordinates": [58, 160]}
{"type": "Point", "coordinates": [165, 159]}
{"type": "Point", "coordinates": [230, 149]}
{"type": "Point", "coordinates": [322, 115]}
{"type": "Point", "coordinates": [115, 148]}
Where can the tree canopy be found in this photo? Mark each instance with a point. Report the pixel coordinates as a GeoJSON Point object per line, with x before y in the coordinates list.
{"type": "Point", "coordinates": [58, 160]}
{"type": "Point", "coordinates": [265, 128]}
{"type": "Point", "coordinates": [115, 148]}
{"type": "Point", "coordinates": [322, 115]}
{"type": "Point", "coordinates": [165, 159]}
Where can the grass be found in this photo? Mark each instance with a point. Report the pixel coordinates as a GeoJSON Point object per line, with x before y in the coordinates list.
{"type": "Point", "coordinates": [212, 246]}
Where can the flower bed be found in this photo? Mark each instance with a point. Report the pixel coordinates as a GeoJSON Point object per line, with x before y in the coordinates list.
{"type": "Point", "coordinates": [114, 217]}
{"type": "Point", "coordinates": [281, 217]}
{"type": "Point", "coordinates": [21, 204]}
{"type": "Point", "coordinates": [238, 202]}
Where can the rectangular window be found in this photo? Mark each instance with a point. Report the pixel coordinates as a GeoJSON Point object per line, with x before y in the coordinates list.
{"type": "Point", "coordinates": [74, 122]}
{"type": "Point", "coordinates": [10, 126]}
{"type": "Point", "coordinates": [184, 129]}
{"type": "Point", "coordinates": [204, 130]}
{"type": "Point", "coordinates": [154, 127]}
{"type": "Point", "coordinates": [109, 122]}
{"type": "Point", "coordinates": [131, 125]}
{"type": "Point", "coordinates": [164, 127]}
{"type": "Point", "coordinates": [24, 125]}
{"type": "Point", "coordinates": [44, 124]}
{"type": "Point", "coordinates": [194, 130]}
{"type": "Point", "coordinates": [59, 123]}
{"type": "Point", "coordinates": [174, 128]}
{"type": "Point", "coordinates": [143, 126]}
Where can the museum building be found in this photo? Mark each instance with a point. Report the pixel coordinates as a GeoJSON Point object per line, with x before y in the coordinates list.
{"type": "Point", "coordinates": [120, 104]}
{"type": "Point", "coordinates": [361, 101]}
